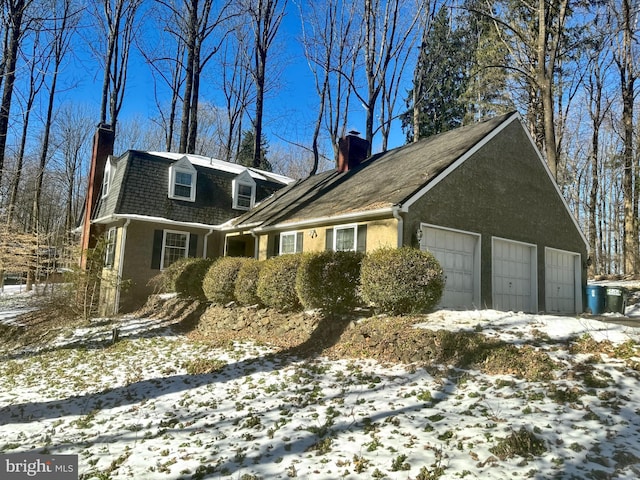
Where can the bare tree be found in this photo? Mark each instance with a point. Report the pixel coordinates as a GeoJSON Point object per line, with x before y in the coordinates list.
{"type": "Point", "coordinates": [36, 81]}
{"type": "Point", "coordinates": [16, 22]}
{"type": "Point", "coordinates": [535, 35]}
{"type": "Point", "coordinates": [599, 108]}
{"type": "Point", "coordinates": [60, 29]}
{"type": "Point", "coordinates": [623, 19]}
{"type": "Point", "coordinates": [264, 18]}
{"type": "Point", "coordinates": [199, 27]}
{"type": "Point", "coordinates": [330, 40]}
{"type": "Point", "coordinates": [390, 29]}
{"type": "Point", "coordinates": [116, 22]}
{"type": "Point", "coordinates": [235, 84]}
{"type": "Point", "coordinates": [72, 129]}
{"type": "Point", "coordinates": [170, 70]}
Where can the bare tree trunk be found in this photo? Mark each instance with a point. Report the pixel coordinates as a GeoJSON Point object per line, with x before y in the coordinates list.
{"type": "Point", "coordinates": [266, 17]}
{"type": "Point", "coordinates": [61, 34]}
{"type": "Point", "coordinates": [15, 26]}
{"type": "Point", "coordinates": [548, 45]}
{"type": "Point", "coordinates": [35, 84]}
{"type": "Point", "coordinates": [117, 22]}
{"type": "Point", "coordinates": [628, 75]}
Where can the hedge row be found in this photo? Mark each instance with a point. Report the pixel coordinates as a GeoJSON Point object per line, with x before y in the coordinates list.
{"type": "Point", "coordinates": [397, 281]}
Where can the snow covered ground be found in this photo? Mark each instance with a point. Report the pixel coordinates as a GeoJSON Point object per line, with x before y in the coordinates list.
{"type": "Point", "coordinates": [142, 408]}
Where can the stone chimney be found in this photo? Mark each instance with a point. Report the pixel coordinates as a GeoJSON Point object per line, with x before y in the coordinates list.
{"type": "Point", "coordinates": [102, 148]}
{"type": "Point", "coordinates": [352, 150]}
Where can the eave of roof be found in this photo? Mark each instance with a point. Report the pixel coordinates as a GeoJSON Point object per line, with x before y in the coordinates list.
{"type": "Point", "coordinates": [215, 164]}
{"type": "Point", "coordinates": [149, 219]}
{"type": "Point", "coordinates": [386, 180]}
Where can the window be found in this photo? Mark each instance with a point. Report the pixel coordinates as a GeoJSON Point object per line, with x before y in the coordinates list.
{"type": "Point", "coordinates": [175, 246]}
{"type": "Point", "coordinates": [110, 248]}
{"type": "Point", "coordinates": [290, 242]}
{"type": "Point", "coordinates": [345, 239]}
{"type": "Point", "coordinates": [171, 245]}
{"type": "Point", "coordinates": [106, 178]}
{"type": "Point", "coordinates": [182, 181]}
{"type": "Point", "coordinates": [244, 191]}
{"type": "Point", "coordinates": [182, 187]}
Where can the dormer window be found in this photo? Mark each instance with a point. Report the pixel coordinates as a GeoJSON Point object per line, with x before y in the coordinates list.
{"type": "Point", "coordinates": [106, 178]}
{"type": "Point", "coordinates": [182, 181]}
{"type": "Point", "coordinates": [244, 191]}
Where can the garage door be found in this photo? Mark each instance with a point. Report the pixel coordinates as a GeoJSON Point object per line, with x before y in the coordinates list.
{"type": "Point", "coordinates": [457, 253]}
{"type": "Point", "coordinates": [514, 276]}
{"type": "Point", "coordinates": [560, 281]}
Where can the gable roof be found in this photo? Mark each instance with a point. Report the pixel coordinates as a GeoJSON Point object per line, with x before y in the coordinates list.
{"type": "Point", "coordinates": [380, 183]}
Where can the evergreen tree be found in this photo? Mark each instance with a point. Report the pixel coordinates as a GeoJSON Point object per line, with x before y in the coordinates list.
{"type": "Point", "coordinates": [440, 80]}
{"type": "Point", "coordinates": [487, 86]}
{"type": "Point", "coordinates": [245, 154]}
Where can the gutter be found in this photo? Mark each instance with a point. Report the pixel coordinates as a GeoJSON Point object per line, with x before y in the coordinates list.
{"type": "Point", "coordinates": [324, 220]}
{"type": "Point", "coordinates": [123, 242]}
{"type": "Point", "coordinates": [163, 221]}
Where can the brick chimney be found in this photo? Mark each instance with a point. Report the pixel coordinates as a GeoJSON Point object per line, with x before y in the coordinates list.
{"type": "Point", "coordinates": [102, 148]}
{"type": "Point", "coordinates": [352, 150]}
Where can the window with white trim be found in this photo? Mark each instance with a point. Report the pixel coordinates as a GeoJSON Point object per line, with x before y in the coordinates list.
{"type": "Point", "coordinates": [290, 242]}
{"type": "Point", "coordinates": [182, 181]}
{"type": "Point", "coordinates": [106, 178]}
{"type": "Point", "coordinates": [175, 245]}
{"type": "Point", "coordinates": [110, 248]}
{"type": "Point", "coordinates": [345, 238]}
{"type": "Point", "coordinates": [244, 191]}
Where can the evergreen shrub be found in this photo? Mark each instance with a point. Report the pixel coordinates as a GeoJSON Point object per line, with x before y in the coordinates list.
{"type": "Point", "coordinates": [246, 288]}
{"type": "Point", "coordinates": [165, 281]}
{"type": "Point", "coordinates": [329, 280]}
{"type": "Point", "coordinates": [277, 282]}
{"type": "Point", "coordinates": [401, 280]}
{"type": "Point", "coordinates": [220, 281]}
{"type": "Point", "coordinates": [188, 282]}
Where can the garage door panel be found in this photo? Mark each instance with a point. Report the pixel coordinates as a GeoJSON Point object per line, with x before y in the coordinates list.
{"type": "Point", "coordinates": [456, 253]}
{"type": "Point", "coordinates": [560, 281]}
{"type": "Point", "coordinates": [513, 287]}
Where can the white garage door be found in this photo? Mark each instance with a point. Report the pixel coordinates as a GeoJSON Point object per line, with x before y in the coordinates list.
{"type": "Point", "coordinates": [560, 281]}
{"type": "Point", "coordinates": [457, 253]}
{"type": "Point", "coordinates": [514, 276]}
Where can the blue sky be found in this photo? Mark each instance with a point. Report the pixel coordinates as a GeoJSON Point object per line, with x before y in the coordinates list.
{"type": "Point", "coordinates": [291, 108]}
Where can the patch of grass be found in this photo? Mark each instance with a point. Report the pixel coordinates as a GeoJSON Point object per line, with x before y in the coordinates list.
{"type": "Point", "coordinates": [522, 443]}
{"type": "Point", "coordinates": [565, 395]}
{"type": "Point", "coordinates": [399, 463]}
{"type": "Point", "coordinates": [321, 447]}
{"type": "Point", "coordinates": [203, 366]}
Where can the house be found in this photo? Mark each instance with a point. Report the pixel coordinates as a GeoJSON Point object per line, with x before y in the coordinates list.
{"type": "Point", "coordinates": [479, 197]}
{"type": "Point", "coordinates": [154, 208]}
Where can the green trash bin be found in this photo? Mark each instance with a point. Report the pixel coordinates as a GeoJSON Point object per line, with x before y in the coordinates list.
{"type": "Point", "coordinates": [615, 299]}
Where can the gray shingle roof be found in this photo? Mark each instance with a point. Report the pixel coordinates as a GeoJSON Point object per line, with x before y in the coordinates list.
{"type": "Point", "coordinates": [139, 186]}
{"type": "Point", "coordinates": [383, 180]}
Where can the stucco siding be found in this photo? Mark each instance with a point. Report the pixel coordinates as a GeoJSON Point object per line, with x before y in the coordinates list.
{"type": "Point", "coordinates": [503, 190]}
{"type": "Point", "coordinates": [379, 233]}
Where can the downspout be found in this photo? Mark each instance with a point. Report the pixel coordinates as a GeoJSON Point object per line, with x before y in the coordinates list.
{"type": "Point", "coordinates": [205, 243]}
{"type": "Point", "coordinates": [396, 214]}
{"type": "Point", "coordinates": [123, 242]}
{"type": "Point", "coordinates": [256, 244]}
